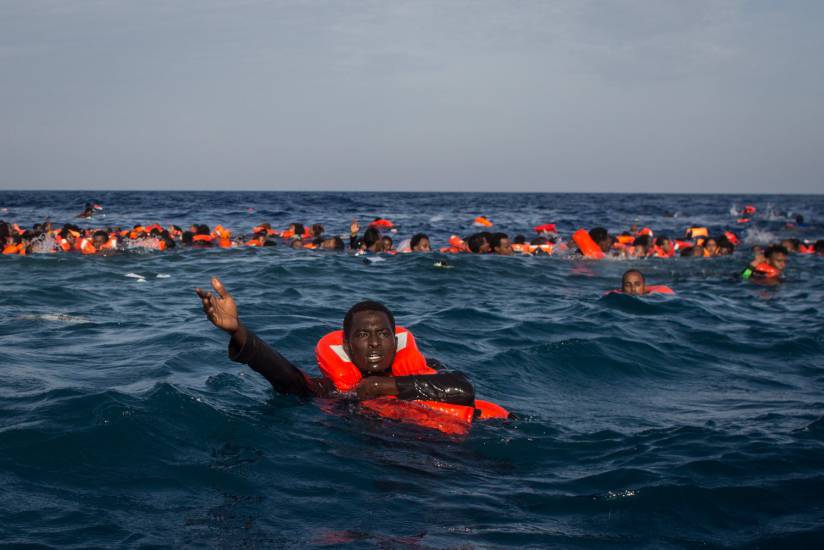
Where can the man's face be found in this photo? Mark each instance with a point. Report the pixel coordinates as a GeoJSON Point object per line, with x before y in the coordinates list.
{"type": "Point", "coordinates": [371, 343]}
{"type": "Point", "coordinates": [99, 240]}
{"type": "Point", "coordinates": [633, 284]}
{"type": "Point", "coordinates": [422, 246]}
{"type": "Point", "coordinates": [485, 248]}
{"type": "Point", "coordinates": [504, 248]}
{"type": "Point", "coordinates": [711, 246]}
{"type": "Point", "coordinates": [778, 260]}
{"type": "Point", "coordinates": [605, 244]}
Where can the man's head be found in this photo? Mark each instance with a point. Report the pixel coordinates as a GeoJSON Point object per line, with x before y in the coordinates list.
{"type": "Point", "coordinates": [420, 243]}
{"type": "Point", "coordinates": [369, 337]}
{"type": "Point", "coordinates": [500, 244]}
{"type": "Point", "coordinates": [99, 239]}
{"type": "Point", "coordinates": [633, 283]}
{"type": "Point", "coordinates": [642, 245]}
{"type": "Point", "coordinates": [601, 238]}
{"type": "Point", "coordinates": [711, 246]}
{"type": "Point", "coordinates": [792, 245]}
{"type": "Point", "coordinates": [478, 243]}
{"type": "Point", "coordinates": [331, 243]}
{"type": "Point", "coordinates": [387, 243]}
{"type": "Point", "coordinates": [372, 239]}
{"type": "Point", "coordinates": [664, 242]}
{"type": "Point", "coordinates": [776, 256]}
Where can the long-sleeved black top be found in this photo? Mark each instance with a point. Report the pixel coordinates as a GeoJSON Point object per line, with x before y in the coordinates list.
{"type": "Point", "coordinates": [446, 387]}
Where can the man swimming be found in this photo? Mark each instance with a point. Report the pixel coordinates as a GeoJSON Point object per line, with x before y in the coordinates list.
{"type": "Point", "coordinates": [369, 341]}
{"type": "Point", "coordinates": [633, 283]}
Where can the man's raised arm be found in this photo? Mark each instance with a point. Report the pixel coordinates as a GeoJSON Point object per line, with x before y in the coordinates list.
{"type": "Point", "coordinates": [246, 347]}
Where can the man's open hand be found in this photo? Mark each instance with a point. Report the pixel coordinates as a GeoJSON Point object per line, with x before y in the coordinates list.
{"type": "Point", "coordinates": [220, 309]}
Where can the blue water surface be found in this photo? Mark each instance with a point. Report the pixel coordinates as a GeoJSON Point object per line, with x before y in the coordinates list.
{"type": "Point", "coordinates": [688, 421]}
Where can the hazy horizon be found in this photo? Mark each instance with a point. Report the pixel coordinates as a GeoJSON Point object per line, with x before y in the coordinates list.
{"type": "Point", "coordinates": [573, 96]}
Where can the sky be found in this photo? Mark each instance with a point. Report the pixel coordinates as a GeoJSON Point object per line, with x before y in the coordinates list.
{"type": "Point", "coordinates": [547, 96]}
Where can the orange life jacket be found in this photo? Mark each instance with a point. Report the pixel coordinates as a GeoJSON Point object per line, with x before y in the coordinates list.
{"type": "Point", "coordinates": [586, 245]}
{"type": "Point", "coordinates": [767, 271]}
{"type": "Point", "coordinates": [456, 245]}
{"type": "Point", "coordinates": [545, 228]}
{"type": "Point", "coordinates": [382, 223]}
{"type": "Point", "coordinates": [14, 249]}
{"type": "Point", "coordinates": [86, 247]}
{"type": "Point", "coordinates": [694, 232]}
{"type": "Point", "coordinates": [483, 221]}
{"type": "Point", "coordinates": [651, 289]}
{"type": "Point", "coordinates": [202, 238]}
{"type": "Point", "coordinates": [732, 237]}
{"type": "Point", "coordinates": [335, 365]}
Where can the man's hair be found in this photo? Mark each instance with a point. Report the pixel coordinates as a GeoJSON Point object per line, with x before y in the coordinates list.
{"type": "Point", "coordinates": [317, 230]}
{"type": "Point", "coordinates": [726, 246]}
{"type": "Point", "coordinates": [495, 240]}
{"type": "Point", "coordinates": [387, 238]}
{"type": "Point", "coordinates": [203, 229]}
{"type": "Point", "coordinates": [417, 238]}
{"type": "Point", "coordinates": [818, 247]}
{"type": "Point", "coordinates": [643, 240]}
{"type": "Point", "coordinates": [366, 305]}
{"type": "Point", "coordinates": [775, 249]}
{"type": "Point", "coordinates": [186, 237]}
{"type": "Point", "coordinates": [371, 236]}
{"type": "Point", "coordinates": [299, 229]}
{"type": "Point", "coordinates": [659, 240]}
{"type": "Point", "coordinates": [101, 234]}
{"type": "Point", "coordinates": [598, 234]}
{"type": "Point", "coordinates": [519, 239]}
{"type": "Point", "coordinates": [630, 271]}
{"type": "Point", "coordinates": [475, 241]}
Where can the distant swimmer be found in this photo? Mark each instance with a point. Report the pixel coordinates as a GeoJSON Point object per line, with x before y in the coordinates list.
{"type": "Point", "coordinates": [371, 359]}
{"type": "Point", "coordinates": [88, 210]}
{"type": "Point", "coordinates": [634, 284]}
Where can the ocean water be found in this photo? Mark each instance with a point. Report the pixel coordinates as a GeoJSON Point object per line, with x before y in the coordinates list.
{"type": "Point", "coordinates": [688, 421]}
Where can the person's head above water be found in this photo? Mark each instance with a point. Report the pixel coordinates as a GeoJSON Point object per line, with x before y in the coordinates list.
{"type": "Point", "coordinates": [478, 243]}
{"type": "Point", "coordinates": [420, 243]}
{"type": "Point", "coordinates": [633, 283]}
{"type": "Point", "coordinates": [776, 256]}
{"type": "Point", "coordinates": [369, 337]}
{"type": "Point", "coordinates": [601, 238]}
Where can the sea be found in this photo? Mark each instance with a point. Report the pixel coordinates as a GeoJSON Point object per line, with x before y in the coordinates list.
{"type": "Point", "coordinates": [686, 421]}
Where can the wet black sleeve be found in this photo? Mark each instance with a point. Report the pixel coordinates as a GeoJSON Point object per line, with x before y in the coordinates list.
{"type": "Point", "coordinates": [279, 371]}
{"type": "Point", "coordinates": [448, 387]}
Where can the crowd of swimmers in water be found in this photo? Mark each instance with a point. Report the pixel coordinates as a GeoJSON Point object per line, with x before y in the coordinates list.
{"type": "Point", "coordinates": [378, 237]}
